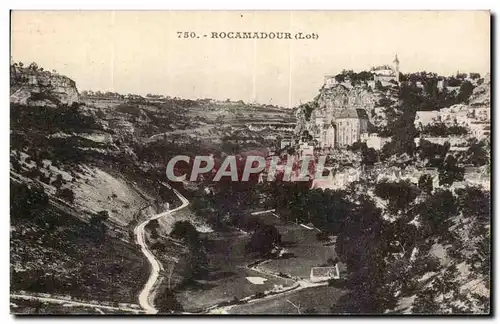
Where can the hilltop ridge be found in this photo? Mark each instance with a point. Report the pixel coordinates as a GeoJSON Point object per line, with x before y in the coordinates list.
{"type": "Point", "coordinates": [34, 86]}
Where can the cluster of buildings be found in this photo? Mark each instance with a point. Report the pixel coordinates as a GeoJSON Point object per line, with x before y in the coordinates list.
{"type": "Point", "coordinates": [476, 120]}
{"type": "Point", "coordinates": [385, 74]}
{"type": "Point", "coordinates": [350, 125]}
{"type": "Point", "coordinates": [344, 123]}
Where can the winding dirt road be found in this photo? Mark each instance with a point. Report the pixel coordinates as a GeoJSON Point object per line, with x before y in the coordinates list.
{"type": "Point", "coordinates": [145, 297]}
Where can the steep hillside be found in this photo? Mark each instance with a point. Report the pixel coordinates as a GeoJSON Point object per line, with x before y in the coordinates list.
{"type": "Point", "coordinates": [77, 192]}
{"type": "Point", "coordinates": [481, 94]}
{"type": "Point", "coordinates": [35, 87]}
{"type": "Point", "coordinates": [85, 173]}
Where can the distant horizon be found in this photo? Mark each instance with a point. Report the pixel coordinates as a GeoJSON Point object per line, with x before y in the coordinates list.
{"type": "Point", "coordinates": [144, 94]}
{"type": "Point", "coordinates": [140, 52]}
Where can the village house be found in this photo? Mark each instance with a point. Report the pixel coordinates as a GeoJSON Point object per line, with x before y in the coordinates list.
{"type": "Point", "coordinates": [424, 118]}
{"type": "Point", "coordinates": [306, 149]}
{"type": "Point", "coordinates": [319, 274]}
{"type": "Point", "coordinates": [375, 141]}
{"type": "Point", "coordinates": [330, 81]}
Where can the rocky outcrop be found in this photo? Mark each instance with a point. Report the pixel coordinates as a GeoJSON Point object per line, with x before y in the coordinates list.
{"type": "Point", "coordinates": [481, 94]}
{"type": "Point", "coordinates": [41, 88]}
{"type": "Point", "coordinates": [334, 99]}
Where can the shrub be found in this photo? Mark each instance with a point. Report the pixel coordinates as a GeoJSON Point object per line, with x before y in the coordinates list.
{"type": "Point", "coordinates": [66, 194]}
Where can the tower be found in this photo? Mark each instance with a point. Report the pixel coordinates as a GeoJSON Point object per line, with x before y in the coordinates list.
{"type": "Point", "coordinates": [396, 64]}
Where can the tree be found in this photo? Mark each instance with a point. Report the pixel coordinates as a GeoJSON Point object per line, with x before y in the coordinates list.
{"type": "Point", "coordinates": [96, 228]}
{"type": "Point", "coordinates": [99, 218]}
{"type": "Point", "coordinates": [27, 201]}
{"type": "Point", "coordinates": [185, 230]}
{"type": "Point", "coordinates": [308, 109]}
{"type": "Point", "coordinates": [196, 259]}
{"type": "Point", "coordinates": [364, 250]}
{"type": "Point", "coordinates": [437, 210]}
{"type": "Point", "coordinates": [153, 225]}
{"type": "Point", "coordinates": [425, 183]}
{"type": "Point", "coordinates": [433, 153]}
{"type": "Point", "coordinates": [369, 156]}
{"type": "Point", "coordinates": [33, 66]}
{"type": "Point", "coordinates": [264, 239]}
{"type": "Point", "coordinates": [306, 137]}
{"type": "Point", "coordinates": [168, 303]}
{"type": "Point", "coordinates": [425, 302]}
{"type": "Point", "coordinates": [465, 92]}
{"type": "Point", "coordinates": [66, 194]}
{"type": "Point", "coordinates": [400, 194]}
{"type": "Point", "coordinates": [58, 182]}
{"type": "Point", "coordinates": [477, 154]}
{"type": "Point", "coordinates": [474, 203]}
{"type": "Point", "coordinates": [441, 129]}
{"type": "Point", "coordinates": [450, 172]}
{"type": "Point", "coordinates": [402, 127]}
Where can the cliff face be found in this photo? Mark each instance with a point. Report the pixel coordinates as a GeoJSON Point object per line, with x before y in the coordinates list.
{"type": "Point", "coordinates": [41, 88]}
{"type": "Point", "coordinates": [333, 100]}
{"type": "Point", "coordinates": [481, 94]}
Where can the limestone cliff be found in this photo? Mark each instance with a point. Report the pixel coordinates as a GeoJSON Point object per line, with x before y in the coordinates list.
{"type": "Point", "coordinates": [481, 94]}
{"type": "Point", "coordinates": [332, 100]}
{"type": "Point", "coordinates": [41, 88]}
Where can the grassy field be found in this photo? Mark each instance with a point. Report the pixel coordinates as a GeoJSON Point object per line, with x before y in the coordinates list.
{"type": "Point", "coordinates": [227, 278]}
{"type": "Point", "coordinates": [228, 259]}
{"type": "Point", "coordinates": [305, 250]}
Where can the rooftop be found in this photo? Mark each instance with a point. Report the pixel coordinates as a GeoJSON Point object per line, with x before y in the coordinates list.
{"type": "Point", "coordinates": [353, 113]}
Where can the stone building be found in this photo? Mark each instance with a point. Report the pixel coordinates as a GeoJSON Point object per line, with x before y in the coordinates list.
{"type": "Point", "coordinates": [375, 141]}
{"type": "Point", "coordinates": [328, 136]}
{"type": "Point", "coordinates": [387, 73]}
{"type": "Point", "coordinates": [350, 124]}
{"type": "Point", "coordinates": [319, 274]}
{"type": "Point", "coordinates": [330, 80]}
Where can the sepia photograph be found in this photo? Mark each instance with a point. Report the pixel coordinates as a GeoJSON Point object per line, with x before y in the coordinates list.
{"type": "Point", "coordinates": [230, 163]}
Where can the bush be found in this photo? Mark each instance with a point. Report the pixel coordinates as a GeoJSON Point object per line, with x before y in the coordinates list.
{"type": "Point", "coordinates": [322, 236]}
{"type": "Point", "coordinates": [337, 283]}
{"type": "Point", "coordinates": [27, 201]}
{"type": "Point", "coordinates": [100, 217]}
{"type": "Point", "coordinates": [58, 182]}
{"type": "Point", "coordinates": [168, 303]}
{"type": "Point", "coordinates": [450, 172]}
{"type": "Point", "coordinates": [185, 230]}
{"type": "Point", "coordinates": [66, 194]}
{"type": "Point", "coordinates": [399, 194]}
{"type": "Point", "coordinates": [264, 238]}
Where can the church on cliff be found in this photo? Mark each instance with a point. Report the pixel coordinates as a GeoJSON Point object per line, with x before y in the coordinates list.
{"type": "Point", "coordinates": [348, 121]}
{"type": "Point", "coordinates": [349, 127]}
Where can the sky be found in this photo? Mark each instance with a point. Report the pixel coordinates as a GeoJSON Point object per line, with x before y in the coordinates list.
{"type": "Point", "coordinates": [140, 52]}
